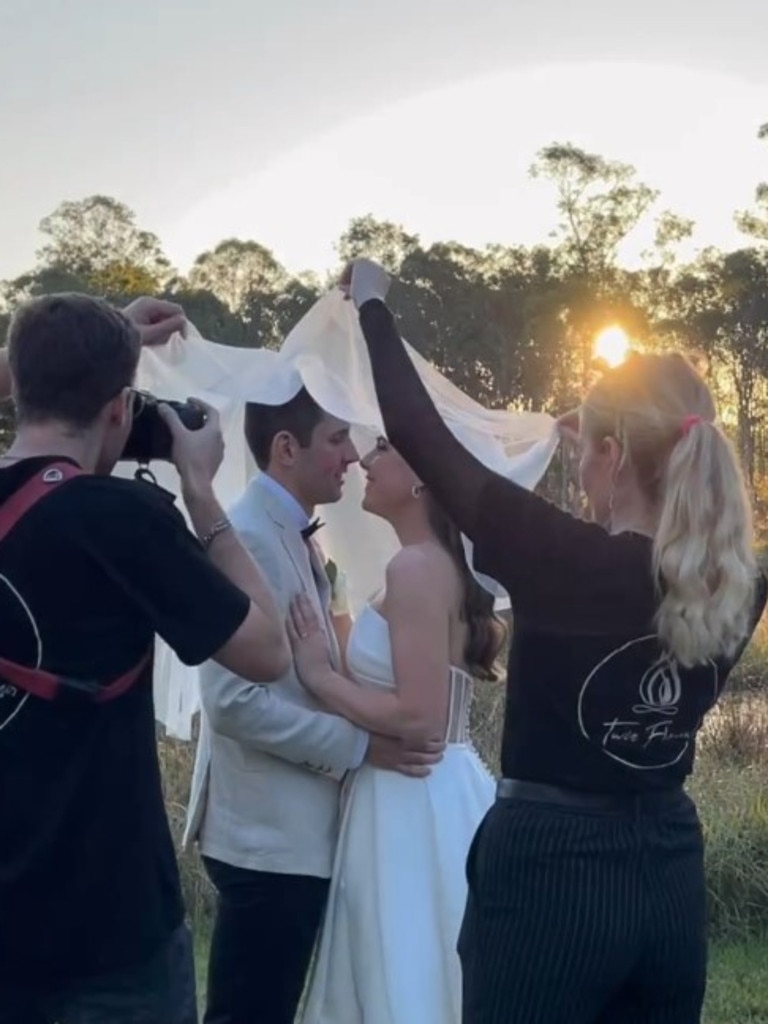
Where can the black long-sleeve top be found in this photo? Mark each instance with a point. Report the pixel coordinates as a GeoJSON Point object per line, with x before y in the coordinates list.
{"type": "Point", "coordinates": [593, 702]}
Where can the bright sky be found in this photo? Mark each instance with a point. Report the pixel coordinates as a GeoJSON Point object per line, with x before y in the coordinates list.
{"type": "Point", "coordinates": [282, 121]}
{"type": "Point", "coordinates": [454, 163]}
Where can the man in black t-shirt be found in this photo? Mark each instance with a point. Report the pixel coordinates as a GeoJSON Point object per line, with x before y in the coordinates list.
{"type": "Point", "coordinates": [91, 917]}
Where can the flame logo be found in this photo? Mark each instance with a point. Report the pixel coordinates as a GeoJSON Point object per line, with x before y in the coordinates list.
{"type": "Point", "coordinates": [660, 689]}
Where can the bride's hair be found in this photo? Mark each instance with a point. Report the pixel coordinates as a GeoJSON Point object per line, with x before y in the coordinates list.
{"type": "Point", "coordinates": [662, 414]}
{"type": "Point", "coordinates": [486, 632]}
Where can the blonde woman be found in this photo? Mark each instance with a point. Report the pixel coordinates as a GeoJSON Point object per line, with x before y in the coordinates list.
{"type": "Point", "coordinates": [586, 883]}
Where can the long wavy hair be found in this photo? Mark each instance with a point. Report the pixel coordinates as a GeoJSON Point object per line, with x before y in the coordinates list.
{"type": "Point", "coordinates": [662, 414]}
{"type": "Point", "coordinates": [486, 633]}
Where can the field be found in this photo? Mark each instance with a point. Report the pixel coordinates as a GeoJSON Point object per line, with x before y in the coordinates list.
{"type": "Point", "coordinates": [731, 787]}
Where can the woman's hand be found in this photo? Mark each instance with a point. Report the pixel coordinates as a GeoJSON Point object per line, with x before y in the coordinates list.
{"type": "Point", "coordinates": [311, 656]}
{"type": "Point", "coordinates": [364, 279]}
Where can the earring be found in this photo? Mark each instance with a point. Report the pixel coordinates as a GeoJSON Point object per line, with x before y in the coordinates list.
{"type": "Point", "coordinates": [416, 490]}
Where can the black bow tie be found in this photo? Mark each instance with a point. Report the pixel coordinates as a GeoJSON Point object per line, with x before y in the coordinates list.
{"type": "Point", "coordinates": [310, 530]}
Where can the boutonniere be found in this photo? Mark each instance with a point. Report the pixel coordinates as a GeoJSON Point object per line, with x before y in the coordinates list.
{"type": "Point", "coordinates": [338, 582]}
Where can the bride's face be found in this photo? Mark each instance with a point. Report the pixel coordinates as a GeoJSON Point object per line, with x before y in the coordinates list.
{"type": "Point", "coordinates": [389, 480]}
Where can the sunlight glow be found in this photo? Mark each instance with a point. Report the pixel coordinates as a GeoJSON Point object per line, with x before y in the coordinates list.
{"type": "Point", "coordinates": [612, 345]}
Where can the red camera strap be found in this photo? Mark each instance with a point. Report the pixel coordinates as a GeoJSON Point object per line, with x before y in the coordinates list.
{"type": "Point", "coordinates": [34, 680]}
{"type": "Point", "coordinates": [37, 487]}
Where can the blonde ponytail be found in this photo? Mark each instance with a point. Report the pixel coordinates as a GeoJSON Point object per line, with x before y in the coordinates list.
{"type": "Point", "coordinates": [661, 412]}
{"type": "Point", "coordinates": [703, 556]}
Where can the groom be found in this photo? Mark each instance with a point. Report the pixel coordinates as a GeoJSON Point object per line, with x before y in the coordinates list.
{"type": "Point", "coordinates": [266, 787]}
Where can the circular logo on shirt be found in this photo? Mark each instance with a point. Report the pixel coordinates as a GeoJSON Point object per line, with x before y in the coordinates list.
{"type": "Point", "coordinates": [642, 708]}
{"type": "Point", "coordinates": [21, 624]}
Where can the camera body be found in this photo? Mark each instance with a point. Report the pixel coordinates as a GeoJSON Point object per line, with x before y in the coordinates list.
{"type": "Point", "coordinates": [150, 439]}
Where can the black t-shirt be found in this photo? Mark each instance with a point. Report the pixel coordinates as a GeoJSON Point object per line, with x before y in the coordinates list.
{"type": "Point", "coordinates": [88, 876]}
{"type": "Point", "coordinates": [593, 702]}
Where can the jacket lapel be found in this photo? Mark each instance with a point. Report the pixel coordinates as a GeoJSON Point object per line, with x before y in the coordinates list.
{"type": "Point", "coordinates": [308, 562]}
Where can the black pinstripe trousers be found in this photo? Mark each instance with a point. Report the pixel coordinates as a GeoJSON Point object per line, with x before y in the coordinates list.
{"type": "Point", "coordinates": [585, 917]}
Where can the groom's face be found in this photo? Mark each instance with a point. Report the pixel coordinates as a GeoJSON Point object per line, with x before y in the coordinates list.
{"type": "Point", "coordinates": [322, 466]}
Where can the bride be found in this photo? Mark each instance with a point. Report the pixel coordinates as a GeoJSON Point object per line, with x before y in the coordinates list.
{"type": "Point", "coordinates": [387, 953]}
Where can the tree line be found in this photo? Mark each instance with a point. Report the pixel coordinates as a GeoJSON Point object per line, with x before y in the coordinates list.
{"type": "Point", "coordinates": [511, 325]}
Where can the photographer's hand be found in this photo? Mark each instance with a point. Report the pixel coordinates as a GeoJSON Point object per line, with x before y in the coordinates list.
{"type": "Point", "coordinates": [156, 319]}
{"type": "Point", "coordinates": [197, 454]}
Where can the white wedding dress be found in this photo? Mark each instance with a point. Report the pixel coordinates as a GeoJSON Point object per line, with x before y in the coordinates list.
{"type": "Point", "coordinates": [387, 953]}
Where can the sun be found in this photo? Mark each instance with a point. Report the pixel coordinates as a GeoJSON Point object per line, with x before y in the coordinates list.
{"type": "Point", "coordinates": [612, 345]}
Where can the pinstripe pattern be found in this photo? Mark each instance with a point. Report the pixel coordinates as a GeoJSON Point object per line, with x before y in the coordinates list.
{"type": "Point", "coordinates": [578, 917]}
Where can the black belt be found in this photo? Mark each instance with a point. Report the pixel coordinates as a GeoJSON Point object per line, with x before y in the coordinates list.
{"type": "Point", "coordinates": [541, 792]}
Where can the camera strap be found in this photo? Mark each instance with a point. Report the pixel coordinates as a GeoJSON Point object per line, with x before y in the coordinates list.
{"type": "Point", "coordinates": [36, 681]}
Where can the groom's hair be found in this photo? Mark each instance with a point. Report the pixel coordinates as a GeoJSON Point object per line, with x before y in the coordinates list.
{"type": "Point", "coordinates": [69, 355]}
{"type": "Point", "coordinates": [263, 423]}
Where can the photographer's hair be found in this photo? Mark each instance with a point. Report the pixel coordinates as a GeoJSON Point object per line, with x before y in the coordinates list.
{"type": "Point", "coordinates": [486, 632]}
{"type": "Point", "coordinates": [69, 356]}
{"type": "Point", "coordinates": [662, 414]}
{"type": "Point", "coordinates": [263, 423]}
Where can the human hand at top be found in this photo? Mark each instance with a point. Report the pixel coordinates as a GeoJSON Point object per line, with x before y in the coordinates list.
{"type": "Point", "coordinates": [156, 319]}
{"type": "Point", "coordinates": [364, 279]}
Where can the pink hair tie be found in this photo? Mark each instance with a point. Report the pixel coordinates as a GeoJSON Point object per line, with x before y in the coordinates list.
{"type": "Point", "coordinates": [688, 423]}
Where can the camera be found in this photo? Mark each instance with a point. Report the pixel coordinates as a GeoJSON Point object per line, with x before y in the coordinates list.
{"type": "Point", "coordinates": [150, 439]}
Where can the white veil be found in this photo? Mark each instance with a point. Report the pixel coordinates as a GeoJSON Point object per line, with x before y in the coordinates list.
{"type": "Point", "coordinates": [325, 353]}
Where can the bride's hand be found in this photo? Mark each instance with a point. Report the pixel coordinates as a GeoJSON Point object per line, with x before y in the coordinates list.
{"type": "Point", "coordinates": [311, 655]}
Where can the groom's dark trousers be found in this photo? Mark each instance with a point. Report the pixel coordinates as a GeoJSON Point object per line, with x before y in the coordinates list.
{"type": "Point", "coordinates": [263, 939]}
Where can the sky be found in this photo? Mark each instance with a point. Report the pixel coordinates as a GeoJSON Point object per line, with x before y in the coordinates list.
{"type": "Point", "coordinates": [281, 121]}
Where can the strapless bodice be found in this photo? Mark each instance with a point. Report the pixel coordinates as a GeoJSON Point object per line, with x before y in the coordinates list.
{"type": "Point", "coordinates": [369, 659]}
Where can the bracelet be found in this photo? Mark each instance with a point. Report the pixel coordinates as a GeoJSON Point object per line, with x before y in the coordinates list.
{"type": "Point", "coordinates": [218, 527]}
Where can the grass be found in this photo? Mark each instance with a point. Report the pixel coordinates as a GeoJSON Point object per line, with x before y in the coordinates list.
{"type": "Point", "coordinates": [737, 992]}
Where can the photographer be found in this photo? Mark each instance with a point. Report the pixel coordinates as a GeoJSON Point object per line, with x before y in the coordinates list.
{"type": "Point", "coordinates": [91, 916]}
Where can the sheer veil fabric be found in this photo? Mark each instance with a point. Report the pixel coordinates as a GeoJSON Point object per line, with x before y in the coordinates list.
{"type": "Point", "coordinates": [326, 353]}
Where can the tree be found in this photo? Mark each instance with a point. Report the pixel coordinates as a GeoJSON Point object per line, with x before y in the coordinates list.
{"type": "Point", "coordinates": [599, 201]}
{"type": "Point", "coordinates": [653, 287]}
{"type": "Point", "coordinates": [723, 310]}
{"type": "Point", "coordinates": [293, 302]}
{"type": "Point", "coordinates": [236, 270]}
{"type": "Point", "coordinates": [42, 282]}
{"type": "Point", "coordinates": [600, 204]}
{"type": "Point", "coordinates": [755, 223]}
{"type": "Point", "coordinates": [380, 240]}
{"type": "Point", "coordinates": [213, 318]}
{"type": "Point", "coordinates": [98, 240]}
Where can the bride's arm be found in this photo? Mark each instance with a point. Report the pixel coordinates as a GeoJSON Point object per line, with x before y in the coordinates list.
{"type": "Point", "coordinates": [418, 626]}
